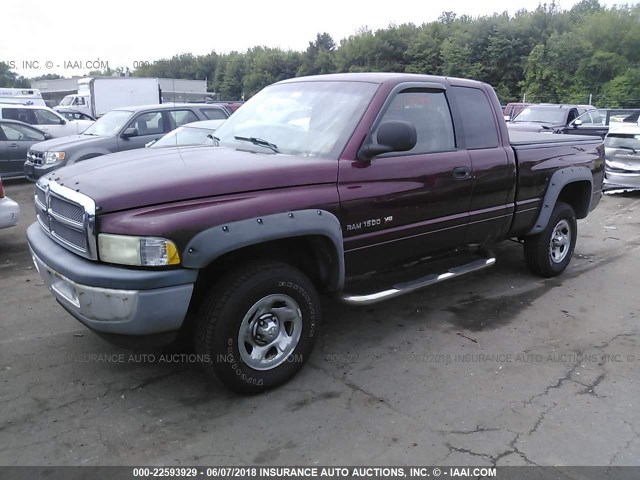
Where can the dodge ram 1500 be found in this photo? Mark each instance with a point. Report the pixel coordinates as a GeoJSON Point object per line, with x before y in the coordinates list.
{"type": "Point", "coordinates": [363, 186]}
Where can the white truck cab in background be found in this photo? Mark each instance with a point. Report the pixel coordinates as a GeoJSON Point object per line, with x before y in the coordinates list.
{"type": "Point", "coordinates": [97, 96]}
{"type": "Point", "coordinates": [22, 96]}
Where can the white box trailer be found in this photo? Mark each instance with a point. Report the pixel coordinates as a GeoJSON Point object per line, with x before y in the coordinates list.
{"type": "Point", "coordinates": [22, 96]}
{"type": "Point", "coordinates": [96, 96]}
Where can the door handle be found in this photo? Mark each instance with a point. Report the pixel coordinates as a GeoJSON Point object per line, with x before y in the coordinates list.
{"type": "Point", "coordinates": [13, 145]}
{"type": "Point", "coordinates": [460, 173]}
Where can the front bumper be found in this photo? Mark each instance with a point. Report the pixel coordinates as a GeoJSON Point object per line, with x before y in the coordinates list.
{"type": "Point", "coordinates": [614, 180]}
{"type": "Point", "coordinates": [109, 299]}
{"type": "Point", "coordinates": [9, 212]}
{"type": "Point", "coordinates": [33, 171]}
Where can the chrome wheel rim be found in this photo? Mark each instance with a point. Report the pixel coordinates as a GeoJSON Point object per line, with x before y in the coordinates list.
{"type": "Point", "coordinates": [560, 241]}
{"type": "Point", "coordinates": [270, 331]}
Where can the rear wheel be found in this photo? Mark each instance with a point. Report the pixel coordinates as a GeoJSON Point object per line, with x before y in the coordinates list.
{"type": "Point", "coordinates": [548, 253]}
{"type": "Point", "coordinates": [258, 326]}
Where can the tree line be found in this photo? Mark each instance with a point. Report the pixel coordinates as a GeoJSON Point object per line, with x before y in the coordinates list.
{"type": "Point", "coordinates": [549, 54]}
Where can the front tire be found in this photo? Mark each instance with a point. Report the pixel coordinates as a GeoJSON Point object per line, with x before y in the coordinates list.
{"type": "Point", "coordinates": [258, 326]}
{"type": "Point", "coordinates": [548, 253]}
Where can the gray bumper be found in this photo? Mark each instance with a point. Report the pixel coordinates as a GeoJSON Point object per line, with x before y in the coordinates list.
{"type": "Point", "coordinates": [621, 180]}
{"type": "Point", "coordinates": [109, 299]}
{"type": "Point", "coordinates": [33, 172]}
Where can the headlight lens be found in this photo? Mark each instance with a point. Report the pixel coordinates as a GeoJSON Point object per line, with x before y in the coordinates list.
{"type": "Point", "coordinates": [139, 251]}
{"type": "Point", "coordinates": [53, 157]}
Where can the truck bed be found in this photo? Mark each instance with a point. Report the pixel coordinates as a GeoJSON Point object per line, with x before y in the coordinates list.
{"type": "Point", "coordinates": [524, 140]}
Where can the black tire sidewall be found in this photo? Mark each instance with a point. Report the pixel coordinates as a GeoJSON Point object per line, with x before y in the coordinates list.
{"type": "Point", "coordinates": [228, 363]}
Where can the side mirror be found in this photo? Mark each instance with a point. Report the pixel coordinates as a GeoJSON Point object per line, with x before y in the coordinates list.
{"type": "Point", "coordinates": [507, 118]}
{"type": "Point", "coordinates": [577, 122]}
{"type": "Point", "coordinates": [393, 136]}
{"type": "Point", "coordinates": [47, 136]}
{"type": "Point", "coordinates": [130, 132]}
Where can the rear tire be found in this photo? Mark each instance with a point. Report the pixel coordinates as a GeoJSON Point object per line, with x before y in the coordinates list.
{"type": "Point", "coordinates": [548, 253]}
{"type": "Point", "coordinates": [258, 326]}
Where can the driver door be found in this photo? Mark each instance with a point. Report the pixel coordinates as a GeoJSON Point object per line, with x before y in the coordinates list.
{"type": "Point", "coordinates": [147, 126]}
{"type": "Point", "coordinates": [405, 205]}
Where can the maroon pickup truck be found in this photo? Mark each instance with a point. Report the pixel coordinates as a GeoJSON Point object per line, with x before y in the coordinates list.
{"type": "Point", "coordinates": [363, 186]}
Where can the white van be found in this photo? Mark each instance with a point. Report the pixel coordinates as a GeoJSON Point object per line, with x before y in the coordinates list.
{"type": "Point", "coordinates": [44, 119]}
{"type": "Point", "coordinates": [22, 96]}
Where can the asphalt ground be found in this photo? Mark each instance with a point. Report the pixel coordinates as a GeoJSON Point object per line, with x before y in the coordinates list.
{"type": "Point", "coordinates": [496, 368]}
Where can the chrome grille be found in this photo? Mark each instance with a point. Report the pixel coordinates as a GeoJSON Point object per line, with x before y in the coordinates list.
{"type": "Point", "coordinates": [41, 197]}
{"type": "Point", "coordinates": [67, 216]}
{"type": "Point", "coordinates": [35, 157]}
{"type": "Point", "coordinates": [76, 239]}
{"type": "Point", "coordinates": [67, 209]}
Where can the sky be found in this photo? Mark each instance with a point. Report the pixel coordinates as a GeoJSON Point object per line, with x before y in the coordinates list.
{"type": "Point", "coordinates": [71, 37]}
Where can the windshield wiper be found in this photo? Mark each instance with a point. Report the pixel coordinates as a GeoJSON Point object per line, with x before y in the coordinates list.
{"type": "Point", "coordinates": [258, 141]}
{"type": "Point", "coordinates": [631, 149]}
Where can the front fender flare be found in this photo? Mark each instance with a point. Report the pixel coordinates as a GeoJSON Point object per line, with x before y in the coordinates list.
{"type": "Point", "coordinates": [560, 179]}
{"type": "Point", "coordinates": [214, 242]}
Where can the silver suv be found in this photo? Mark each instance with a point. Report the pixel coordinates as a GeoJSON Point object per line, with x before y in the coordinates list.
{"type": "Point", "coordinates": [118, 130]}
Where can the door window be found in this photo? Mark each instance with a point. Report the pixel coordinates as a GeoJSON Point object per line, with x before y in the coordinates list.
{"type": "Point", "coordinates": [214, 113]}
{"type": "Point", "coordinates": [148, 124]}
{"type": "Point", "coordinates": [45, 117]}
{"type": "Point", "coordinates": [478, 123]}
{"type": "Point", "coordinates": [429, 112]}
{"type": "Point", "coordinates": [21, 114]}
{"type": "Point", "coordinates": [177, 118]}
{"type": "Point", "coordinates": [17, 133]}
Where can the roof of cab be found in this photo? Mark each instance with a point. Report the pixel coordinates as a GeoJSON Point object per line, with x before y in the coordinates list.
{"type": "Point", "coordinates": [384, 77]}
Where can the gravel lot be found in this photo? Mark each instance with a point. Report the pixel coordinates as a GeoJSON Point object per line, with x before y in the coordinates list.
{"type": "Point", "coordinates": [496, 368]}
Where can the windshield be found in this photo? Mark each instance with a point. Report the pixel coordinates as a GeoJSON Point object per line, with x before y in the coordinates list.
{"type": "Point", "coordinates": [299, 118]}
{"type": "Point", "coordinates": [626, 141]}
{"type": "Point", "coordinates": [66, 101]}
{"type": "Point", "coordinates": [109, 124]}
{"type": "Point", "coordinates": [541, 115]}
{"type": "Point", "coordinates": [183, 136]}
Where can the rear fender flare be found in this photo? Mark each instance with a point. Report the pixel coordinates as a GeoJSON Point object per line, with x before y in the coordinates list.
{"type": "Point", "coordinates": [560, 179]}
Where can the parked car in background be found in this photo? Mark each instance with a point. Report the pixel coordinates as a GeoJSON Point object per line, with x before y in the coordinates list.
{"type": "Point", "coordinates": [230, 106]}
{"type": "Point", "coordinates": [15, 140]}
{"type": "Point", "coordinates": [600, 122]}
{"type": "Point", "coordinates": [513, 109]}
{"type": "Point", "coordinates": [191, 134]}
{"type": "Point", "coordinates": [44, 119]}
{"type": "Point", "coordinates": [547, 117]}
{"type": "Point", "coordinates": [9, 210]}
{"type": "Point", "coordinates": [71, 114]}
{"type": "Point", "coordinates": [119, 130]}
{"type": "Point", "coordinates": [622, 158]}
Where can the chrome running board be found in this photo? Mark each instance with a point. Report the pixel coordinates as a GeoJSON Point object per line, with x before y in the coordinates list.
{"type": "Point", "coordinates": [413, 285]}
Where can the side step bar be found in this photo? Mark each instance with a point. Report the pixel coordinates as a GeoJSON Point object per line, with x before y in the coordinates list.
{"type": "Point", "coordinates": [412, 286]}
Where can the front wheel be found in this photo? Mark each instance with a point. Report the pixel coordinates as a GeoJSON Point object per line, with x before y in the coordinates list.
{"type": "Point", "coordinates": [548, 253]}
{"type": "Point", "coordinates": [258, 326]}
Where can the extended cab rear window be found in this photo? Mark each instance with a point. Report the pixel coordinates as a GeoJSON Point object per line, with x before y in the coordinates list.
{"type": "Point", "coordinates": [478, 123]}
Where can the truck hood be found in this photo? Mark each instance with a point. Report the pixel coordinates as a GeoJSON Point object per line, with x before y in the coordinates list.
{"type": "Point", "coordinates": [62, 144]}
{"type": "Point", "coordinates": [145, 177]}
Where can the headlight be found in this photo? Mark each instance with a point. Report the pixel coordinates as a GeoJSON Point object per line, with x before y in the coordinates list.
{"type": "Point", "coordinates": [53, 157]}
{"type": "Point", "coordinates": [139, 251]}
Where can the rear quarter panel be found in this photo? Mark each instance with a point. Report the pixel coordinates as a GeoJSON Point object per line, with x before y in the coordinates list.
{"type": "Point", "coordinates": [536, 165]}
